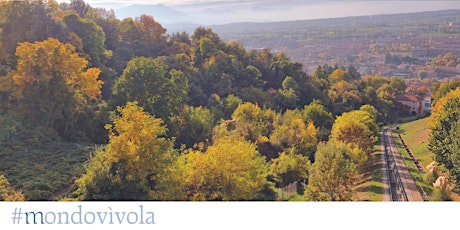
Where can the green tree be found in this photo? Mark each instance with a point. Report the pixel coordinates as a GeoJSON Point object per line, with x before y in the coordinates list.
{"type": "Point", "coordinates": [290, 93]}
{"type": "Point", "coordinates": [444, 133]}
{"type": "Point", "coordinates": [352, 74]}
{"type": "Point", "coordinates": [193, 125]}
{"type": "Point", "coordinates": [321, 118]}
{"type": "Point", "coordinates": [147, 81]}
{"type": "Point", "coordinates": [398, 85]}
{"type": "Point", "coordinates": [444, 89]}
{"type": "Point", "coordinates": [92, 36]}
{"type": "Point", "coordinates": [80, 6]}
{"type": "Point", "coordinates": [129, 167]}
{"type": "Point", "coordinates": [289, 168]}
{"type": "Point", "coordinates": [377, 92]}
{"type": "Point", "coordinates": [333, 175]}
{"type": "Point", "coordinates": [371, 110]}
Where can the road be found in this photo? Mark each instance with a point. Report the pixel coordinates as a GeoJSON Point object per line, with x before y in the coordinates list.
{"type": "Point", "coordinates": [398, 185]}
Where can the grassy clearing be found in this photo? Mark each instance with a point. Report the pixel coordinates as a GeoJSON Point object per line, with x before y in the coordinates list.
{"type": "Point", "coordinates": [370, 186]}
{"type": "Point", "coordinates": [42, 172]}
{"type": "Point", "coordinates": [416, 136]}
{"type": "Point", "coordinates": [42, 166]}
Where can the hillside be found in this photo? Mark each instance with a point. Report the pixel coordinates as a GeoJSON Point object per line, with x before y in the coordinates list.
{"type": "Point", "coordinates": [41, 166]}
{"type": "Point", "coordinates": [416, 135]}
{"type": "Point", "coordinates": [194, 116]}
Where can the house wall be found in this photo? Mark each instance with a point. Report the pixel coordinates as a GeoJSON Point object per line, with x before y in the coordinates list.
{"type": "Point", "coordinates": [414, 107]}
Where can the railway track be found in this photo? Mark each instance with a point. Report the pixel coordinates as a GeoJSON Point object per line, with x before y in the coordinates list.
{"type": "Point", "coordinates": [396, 190]}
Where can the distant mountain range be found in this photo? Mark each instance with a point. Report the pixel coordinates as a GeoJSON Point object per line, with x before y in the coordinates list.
{"type": "Point", "coordinates": [187, 16]}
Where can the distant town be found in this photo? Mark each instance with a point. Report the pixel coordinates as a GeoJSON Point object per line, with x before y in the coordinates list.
{"type": "Point", "coordinates": [389, 45]}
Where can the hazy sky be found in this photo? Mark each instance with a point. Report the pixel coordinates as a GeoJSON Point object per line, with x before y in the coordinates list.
{"type": "Point", "coordinates": [166, 2]}
{"type": "Point", "coordinates": [287, 2]}
{"type": "Point", "coordinates": [225, 11]}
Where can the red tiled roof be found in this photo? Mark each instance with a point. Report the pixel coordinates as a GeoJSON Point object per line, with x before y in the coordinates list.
{"type": "Point", "coordinates": [411, 98]}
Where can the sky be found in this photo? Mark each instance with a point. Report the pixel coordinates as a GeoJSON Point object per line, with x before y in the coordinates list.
{"type": "Point", "coordinates": [228, 11]}
{"type": "Point", "coordinates": [166, 2]}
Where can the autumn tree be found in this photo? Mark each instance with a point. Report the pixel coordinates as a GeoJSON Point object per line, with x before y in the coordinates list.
{"type": "Point", "coordinates": [337, 75]}
{"type": "Point", "coordinates": [52, 84]}
{"type": "Point", "coordinates": [446, 60]}
{"type": "Point", "coordinates": [180, 43]}
{"type": "Point", "coordinates": [8, 193]}
{"type": "Point", "coordinates": [134, 159]}
{"type": "Point", "coordinates": [25, 21]}
{"type": "Point", "coordinates": [292, 133]}
{"type": "Point", "coordinates": [444, 88]}
{"type": "Point", "coordinates": [357, 128]}
{"type": "Point", "coordinates": [139, 37]}
{"type": "Point", "coordinates": [247, 121]}
{"type": "Point", "coordinates": [344, 96]}
{"type": "Point", "coordinates": [333, 175]}
{"type": "Point", "coordinates": [230, 169]}
{"type": "Point", "coordinates": [444, 133]}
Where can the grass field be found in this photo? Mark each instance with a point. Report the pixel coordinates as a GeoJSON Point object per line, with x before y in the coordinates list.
{"type": "Point", "coordinates": [42, 166]}
{"type": "Point", "coordinates": [416, 136]}
{"type": "Point", "coordinates": [43, 172]}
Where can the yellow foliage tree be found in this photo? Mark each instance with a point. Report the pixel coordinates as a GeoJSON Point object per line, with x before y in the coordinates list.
{"type": "Point", "coordinates": [294, 133]}
{"type": "Point", "coordinates": [42, 61]}
{"type": "Point", "coordinates": [52, 85]}
{"type": "Point", "coordinates": [337, 76]}
{"type": "Point", "coordinates": [356, 128]}
{"type": "Point", "coordinates": [230, 169]}
{"type": "Point", "coordinates": [7, 193]}
{"type": "Point", "coordinates": [130, 165]}
{"type": "Point", "coordinates": [135, 139]}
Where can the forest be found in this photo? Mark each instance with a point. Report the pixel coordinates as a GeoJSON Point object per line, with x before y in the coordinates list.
{"type": "Point", "coordinates": [98, 108]}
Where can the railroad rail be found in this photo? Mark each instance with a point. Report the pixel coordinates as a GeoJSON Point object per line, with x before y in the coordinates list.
{"type": "Point", "coordinates": [396, 188]}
